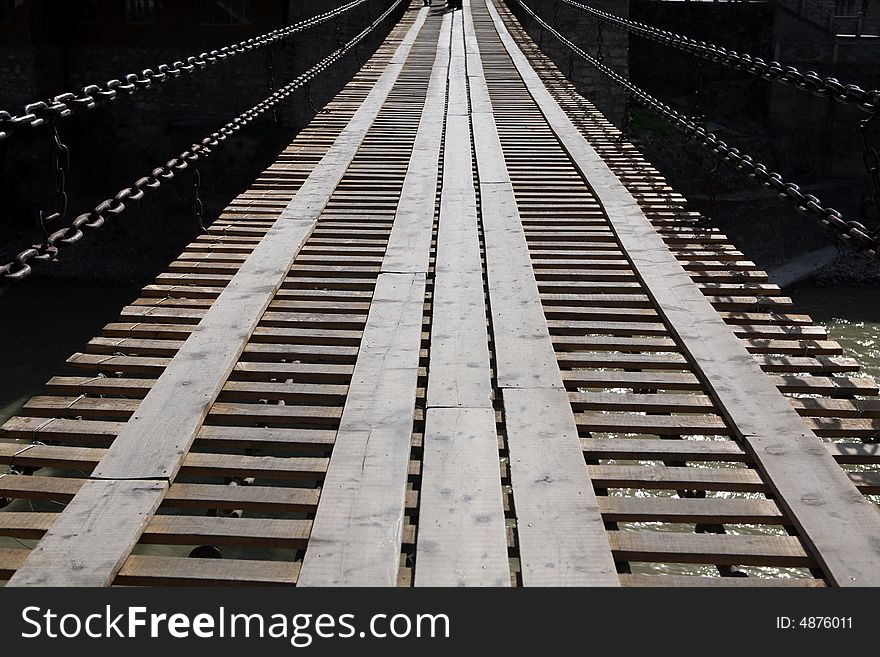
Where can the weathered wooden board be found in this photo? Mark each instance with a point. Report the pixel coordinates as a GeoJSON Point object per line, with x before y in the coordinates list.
{"type": "Point", "coordinates": [462, 537]}
{"type": "Point", "coordinates": [562, 538]}
{"type": "Point", "coordinates": [558, 513]}
{"type": "Point", "coordinates": [92, 537]}
{"type": "Point", "coordinates": [459, 372]}
{"type": "Point", "coordinates": [357, 534]}
{"type": "Point", "coordinates": [822, 501]}
{"type": "Point", "coordinates": [357, 531]}
{"type": "Point", "coordinates": [409, 244]}
{"type": "Point", "coordinates": [154, 442]}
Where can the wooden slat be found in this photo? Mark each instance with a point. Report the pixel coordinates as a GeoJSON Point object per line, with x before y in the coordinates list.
{"type": "Point", "coordinates": [674, 510]}
{"type": "Point", "coordinates": [462, 538]}
{"type": "Point", "coordinates": [155, 440]}
{"type": "Point", "coordinates": [90, 540]}
{"type": "Point", "coordinates": [10, 561]}
{"type": "Point", "coordinates": [823, 502]}
{"type": "Point", "coordinates": [725, 549]}
{"type": "Point", "coordinates": [652, 449]}
{"type": "Point", "coordinates": [243, 532]}
{"type": "Point", "coordinates": [561, 535]}
{"type": "Point", "coordinates": [459, 368]}
{"type": "Point", "coordinates": [357, 534]}
{"type": "Point", "coordinates": [562, 538]}
{"type": "Point", "coordinates": [678, 478]}
{"type": "Point", "coordinates": [151, 570]}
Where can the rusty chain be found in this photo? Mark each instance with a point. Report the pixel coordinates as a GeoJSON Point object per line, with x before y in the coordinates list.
{"type": "Point", "coordinates": [270, 79]}
{"type": "Point", "coordinates": [697, 113]}
{"type": "Point", "coordinates": [626, 123]}
{"type": "Point", "coordinates": [19, 268]}
{"type": "Point", "coordinates": [810, 81]}
{"type": "Point", "coordinates": [91, 96]}
{"type": "Point", "coordinates": [198, 207]}
{"type": "Point", "coordinates": [712, 195]}
{"type": "Point", "coordinates": [60, 170]}
{"type": "Point", "coordinates": [871, 156]}
{"type": "Point", "coordinates": [853, 233]}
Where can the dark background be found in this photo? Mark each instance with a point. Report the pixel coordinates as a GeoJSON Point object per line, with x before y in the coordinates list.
{"type": "Point", "coordinates": [810, 140]}
{"type": "Point", "coordinates": [50, 46]}
{"type": "Point", "coordinates": [47, 47]}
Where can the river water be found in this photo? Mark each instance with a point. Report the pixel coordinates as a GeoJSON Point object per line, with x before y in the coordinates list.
{"type": "Point", "coordinates": [852, 317]}
{"type": "Point", "coordinates": [41, 324]}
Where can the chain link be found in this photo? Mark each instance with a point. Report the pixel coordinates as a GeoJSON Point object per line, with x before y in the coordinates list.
{"type": "Point", "coordinates": [45, 251]}
{"type": "Point", "coordinates": [712, 202]}
{"type": "Point", "coordinates": [852, 233]}
{"type": "Point", "coordinates": [41, 113]}
{"type": "Point", "coordinates": [197, 205]}
{"type": "Point", "coordinates": [871, 156]}
{"type": "Point", "coordinates": [626, 124]}
{"type": "Point", "coordinates": [19, 268]}
{"type": "Point", "coordinates": [270, 79]}
{"type": "Point", "coordinates": [810, 81]}
{"type": "Point", "coordinates": [697, 113]}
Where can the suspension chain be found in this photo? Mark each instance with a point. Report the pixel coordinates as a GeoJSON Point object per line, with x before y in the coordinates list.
{"type": "Point", "coordinates": [270, 79]}
{"type": "Point", "coordinates": [198, 207]}
{"type": "Point", "coordinates": [773, 71]}
{"type": "Point", "coordinates": [871, 156]}
{"type": "Point", "coordinates": [43, 113]}
{"type": "Point", "coordinates": [60, 170]}
{"type": "Point", "coordinates": [852, 233]}
{"type": "Point", "coordinates": [19, 268]}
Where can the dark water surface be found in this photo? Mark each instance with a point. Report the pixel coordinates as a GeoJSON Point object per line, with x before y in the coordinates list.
{"type": "Point", "coordinates": [852, 317]}
{"type": "Point", "coordinates": [41, 324]}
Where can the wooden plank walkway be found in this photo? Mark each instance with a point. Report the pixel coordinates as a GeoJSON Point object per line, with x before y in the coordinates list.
{"type": "Point", "coordinates": [458, 334]}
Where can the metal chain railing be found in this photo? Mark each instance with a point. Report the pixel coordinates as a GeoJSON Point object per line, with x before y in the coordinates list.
{"type": "Point", "coordinates": [20, 267]}
{"type": "Point", "coordinates": [198, 208]}
{"type": "Point", "coordinates": [871, 156]}
{"type": "Point", "coordinates": [270, 79]}
{"type": "Point", "coordinates": [60, 170]}
{"type": "Point", "coordinates": [773, 71]}
{"type": "Point", "coordinates": [91, 96]}
{"type": "Point", "coordinates": [852, 233]}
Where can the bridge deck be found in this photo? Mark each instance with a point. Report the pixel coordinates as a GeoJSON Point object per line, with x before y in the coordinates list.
{"type": "Point", "coordinates": [459, 333]}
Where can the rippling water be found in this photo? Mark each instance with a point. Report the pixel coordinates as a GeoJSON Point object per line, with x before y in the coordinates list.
{"type": "Point", "coordinates": [852, 317]}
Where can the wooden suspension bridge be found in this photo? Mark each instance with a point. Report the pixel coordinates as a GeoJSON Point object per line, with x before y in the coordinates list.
{"type": "Point", "coordinates": [460, 333]}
